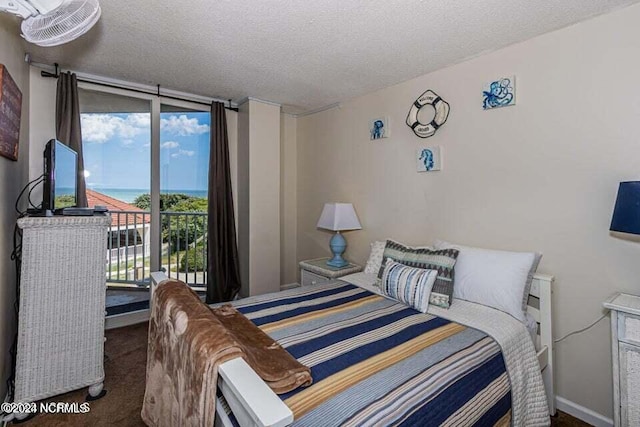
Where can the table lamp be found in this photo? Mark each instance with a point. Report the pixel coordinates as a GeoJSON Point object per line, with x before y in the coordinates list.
{"type": "Point", "coordinates": [338, 217]}
{"type": "Point", "coordinates": [626, 214]}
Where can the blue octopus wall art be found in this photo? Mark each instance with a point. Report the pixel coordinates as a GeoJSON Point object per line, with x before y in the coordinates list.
{"type": "Point", "coordinates": [499, 93]}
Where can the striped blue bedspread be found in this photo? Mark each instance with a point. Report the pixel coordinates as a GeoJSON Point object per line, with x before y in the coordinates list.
{"type": "Point", "coordinates": [378, 362]}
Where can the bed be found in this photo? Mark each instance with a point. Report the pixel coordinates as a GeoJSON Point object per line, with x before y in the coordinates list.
{"type": "Point", "coordinates": [390, 371]}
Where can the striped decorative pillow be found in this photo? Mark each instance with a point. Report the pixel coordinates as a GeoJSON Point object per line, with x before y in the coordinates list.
{"type": "Point", "coordinates": [408, 285]}
{"type": "Point", "coordinates": [442, 260]}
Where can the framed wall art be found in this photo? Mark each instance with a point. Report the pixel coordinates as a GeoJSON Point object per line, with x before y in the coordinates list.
{"type": "Point", "coordinates": [429, 159]}
{"type": "Point", "coordinates": [499, 93]}
{"type": "Point", "coordinates": [379, 128]}
{"type": "Point", "coordinates": [10, 111]}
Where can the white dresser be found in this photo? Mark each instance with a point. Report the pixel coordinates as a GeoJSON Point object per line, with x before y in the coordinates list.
{"type": "Point", "coordinates": [625, 336]}
{"type": "Point", "coordinates": [62, 306]}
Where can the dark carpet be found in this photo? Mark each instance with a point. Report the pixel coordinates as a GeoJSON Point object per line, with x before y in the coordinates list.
{"type": "Point", "coordinates": [125, 364]}
{"type": "Point", "coordinates": [126, 358]}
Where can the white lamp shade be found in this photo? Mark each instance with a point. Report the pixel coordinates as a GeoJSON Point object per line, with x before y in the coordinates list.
{"type": "Point", "coordinates": [339, 216]}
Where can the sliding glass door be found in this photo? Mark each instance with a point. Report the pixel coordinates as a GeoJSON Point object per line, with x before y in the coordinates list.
{"type": "Point", "coordinates": [116, 134]}
{"type": "Point", "coordinates": [147, 161]}
{"type": "Point", "coordinates": [184, 168]}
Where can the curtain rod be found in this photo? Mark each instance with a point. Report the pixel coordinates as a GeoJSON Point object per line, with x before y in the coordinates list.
{"type": "Point", "coordinates": [56, 74]}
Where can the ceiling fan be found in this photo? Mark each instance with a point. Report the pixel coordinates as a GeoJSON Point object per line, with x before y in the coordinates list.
{"type": "Point", "coordinates": [53, 22]}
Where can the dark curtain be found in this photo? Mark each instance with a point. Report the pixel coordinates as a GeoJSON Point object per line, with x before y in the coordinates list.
{"type": "Point", "coordinates": [68, 125]}
{"type": "Point", "coordinates": [223, 271]}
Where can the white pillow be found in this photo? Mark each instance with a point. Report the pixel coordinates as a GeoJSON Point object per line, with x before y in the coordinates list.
{"type": "Point", "coordinates": [498, 279]}
{"type": "Point", "coordinates": [375, 257]}
{"type": "Point", "coordinates": [409, 285]}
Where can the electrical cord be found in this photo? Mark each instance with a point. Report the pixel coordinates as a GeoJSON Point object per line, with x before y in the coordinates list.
{"type": "Point", "coordinates": [29, 194]}
{"type": "Point", "coordinates": [16, 257]}
{"type": "Point", "coordinates": [37, 181]}
{"type": "Point", "coordinates": [579, 331]}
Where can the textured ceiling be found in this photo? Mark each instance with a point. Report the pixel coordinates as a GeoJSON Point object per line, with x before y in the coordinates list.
{"type": "Point", "coordinates": [302, 54]}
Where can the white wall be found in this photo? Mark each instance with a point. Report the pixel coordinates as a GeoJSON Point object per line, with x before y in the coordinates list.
{"type": "Point", "coordinates": [232, 133]}
{"type": "Point", "coordinates": [13, 177]}
{"type": "Point", "coordinates": [42, 127]}
{"type": "Point", "coordinates": [288, 197]}
{"type": "Point", "coordinates": [541, 175]}
{"type": "Point", "coordinates": [243, 196]}
{"type": "Point", "coordinates": [259, 196]}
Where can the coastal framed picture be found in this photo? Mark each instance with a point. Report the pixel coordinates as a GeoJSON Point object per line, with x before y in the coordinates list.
{"type": "Point", "coordinates": [429, 159]}
{"type": "Point", "coordinates": [498, 93]}
{"type": "Point", "coordinates": [379, 128]}
{"type": "Point", "coordinates": [10, 112]}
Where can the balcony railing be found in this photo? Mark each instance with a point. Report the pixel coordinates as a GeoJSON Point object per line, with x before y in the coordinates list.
{"type": "Point", "coordinates": [184, 236]}
{"type": "Point", "coordinates": [183, 247]}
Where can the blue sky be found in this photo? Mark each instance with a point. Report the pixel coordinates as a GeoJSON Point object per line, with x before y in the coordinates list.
{"type": "Point", "coordinates": [117, 150]}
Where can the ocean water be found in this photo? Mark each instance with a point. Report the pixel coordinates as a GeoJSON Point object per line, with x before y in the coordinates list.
{"type": "Point", "coordinates": [128, 195]}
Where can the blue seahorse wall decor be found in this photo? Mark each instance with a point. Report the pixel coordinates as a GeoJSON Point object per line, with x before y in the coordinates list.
{"type": "Point", "coordinates": [427, 159]}
{"type": "Point", "coordinates": [500, 93]}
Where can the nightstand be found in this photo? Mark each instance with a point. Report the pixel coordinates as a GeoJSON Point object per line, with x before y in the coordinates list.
{"type": "Point", "coordinates": [625, 337]}
{"type": "Point", "coordinates": [316, 271]}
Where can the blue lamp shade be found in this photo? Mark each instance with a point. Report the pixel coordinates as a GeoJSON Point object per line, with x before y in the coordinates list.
{"type": "Point", "coordinates": [626, 214]}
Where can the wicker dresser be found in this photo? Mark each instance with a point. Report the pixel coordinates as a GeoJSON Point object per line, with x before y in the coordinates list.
{"type": "Point", "coordinates": [62, 306]}
{"type": "Point", "coordinates": [625, 334]}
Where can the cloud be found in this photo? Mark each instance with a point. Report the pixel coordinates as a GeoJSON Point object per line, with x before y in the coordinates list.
{"type": "Point", "coordinates": [100, 128]}
{"type": "Point", "coordinates": [187, 153]}
{"type": "Point", "coordinates": [140, 119]}
{"type": "Point", "coordinates": [169, 144]}
{"type": "Point", "coordinates": [183, 126]}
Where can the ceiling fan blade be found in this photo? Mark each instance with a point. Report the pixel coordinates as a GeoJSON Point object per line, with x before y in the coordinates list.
{"type": "Point", "coordinates": [64, 24]}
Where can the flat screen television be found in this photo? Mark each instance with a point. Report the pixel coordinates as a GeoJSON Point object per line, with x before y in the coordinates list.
{"type": "Point", "coordinates": [60, 176]}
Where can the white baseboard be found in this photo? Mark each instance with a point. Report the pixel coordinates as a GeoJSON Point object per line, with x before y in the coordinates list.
{"type": "Point", "coordinates": [126, 319]}
{"type": "Point", "coordinates": [289, 286]}
{"type": "Point", "coordinates": [585, 414]}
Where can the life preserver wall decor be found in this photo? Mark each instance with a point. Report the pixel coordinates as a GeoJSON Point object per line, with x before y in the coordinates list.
{"type": "Point", "coordinates": [441, 107]}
